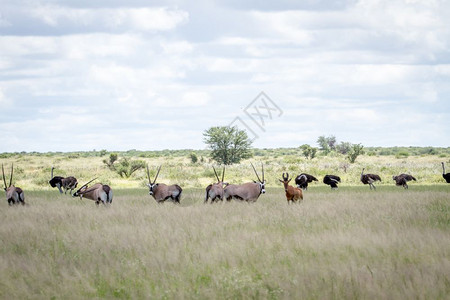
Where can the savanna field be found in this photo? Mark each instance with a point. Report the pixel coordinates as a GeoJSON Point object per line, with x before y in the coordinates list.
{"type": "Point", "coordinates": [350, 243]}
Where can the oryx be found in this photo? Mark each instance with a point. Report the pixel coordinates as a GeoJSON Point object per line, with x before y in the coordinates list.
{"type": "Point", "coordinates": [249, 191]}
{"type": "Point", "coordinates": [98, 192]}
{"type": "Point", "coordinates": [215, 190]}
{"type": "Point", "coordinates": [14, 194]}
{"type": "Point", "coordinates": [162, 192]}
{"type": "Point", "coordinates": [67, 183]}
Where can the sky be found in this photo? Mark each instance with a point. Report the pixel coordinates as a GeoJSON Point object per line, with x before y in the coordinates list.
{"type": "Point", "coordinates": [78, 75]}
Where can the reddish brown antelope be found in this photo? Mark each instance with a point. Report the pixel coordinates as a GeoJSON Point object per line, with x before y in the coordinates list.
{"type": "Point", "coordinates": [249, 191]}
{"type": "Point", "coordinates": [215, 190]}
{"type": "Point", "coordinates": [67, 183]}
{"type": "Point", "coordinates": [292, 193]}
{"type": "Point", "coordinates": [14, 194]}
{"type": "Point", "coordinates": [162, 192]}
{"type": "Point", "coordinates": [98, 192]}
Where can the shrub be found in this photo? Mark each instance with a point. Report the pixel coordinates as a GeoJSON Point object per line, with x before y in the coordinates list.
{"type": "Point", "coordinates": [355, 151]}
{"type": "Point", "coordinates": [402, 154]}
{"type": "Point", "coordinates": [193, 157]}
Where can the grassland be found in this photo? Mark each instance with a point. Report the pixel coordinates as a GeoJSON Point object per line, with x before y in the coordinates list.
{"type": "Point", "coordinates": [345, 244]}
{"type": "Point", "coordinates": [352, 243]}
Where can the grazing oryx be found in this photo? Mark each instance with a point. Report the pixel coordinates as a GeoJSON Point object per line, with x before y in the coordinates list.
{"type": "Point", "coordinates": [303, 179]}
{"type": "Point", "coordinates": [402, 180]}
{"type": "Point", "coordinates": [67, 183]}
{"type": "Point", "coordinates": [98, 192]}
{"type": "Point", "coordinates": [215, 190]}
{"type": "Point", "coordinates": [14, 195]}
{"type": "Point", "coordinates": [369, 179]}
{"type": "Point", "coordinates": [332, 181]}
{"type": "Point", "coordinates": [249, 191]}
{"type": "Point", "coordinates": [162, 192]}
{"type": "Point", "coordinates": [293, 194]}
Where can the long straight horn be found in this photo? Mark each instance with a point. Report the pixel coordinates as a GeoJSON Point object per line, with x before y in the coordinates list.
{"type": "Point", "coordinates": [51, 176]}
{"type": "Point", "coordinates": [148, 176]}
{"type": "Point", "coordinates": [12, 172]}
{"type": "Point", "coordinates": [255, 172]}
{"type": "Point", "coordinates": [223, 173]}
{"type": "Point", "coordinates": [217, 176]}
{"type": "Point", "coordinates": [262, 168]}
{"type": "Point", "coordinates": [4, 179]}
{"type": "Point", "coordinates": [157, 173]}
{"type": "Point", "coordinates": [88, 183]}
{"type": "Point", "coordinates": [443, 169]}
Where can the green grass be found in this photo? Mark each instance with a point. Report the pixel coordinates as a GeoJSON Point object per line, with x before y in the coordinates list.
{"type": "Point", "coordinates": [351, 243]}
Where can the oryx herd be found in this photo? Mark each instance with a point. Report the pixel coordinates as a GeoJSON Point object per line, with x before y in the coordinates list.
{"type": "Point", "coordinates": [248, 192]}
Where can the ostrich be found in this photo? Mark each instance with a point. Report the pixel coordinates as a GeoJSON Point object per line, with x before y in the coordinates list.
{"type": "Point", "coordinates": [332, 181]}
{"type": "Point", "coordinates": [369, 179]}
{"type": "Point", "coordinates": [402, 180]}
{"type": "Point", "coordinates": [446, 176]}
{"type": "Point", "coordinates": [303, 179]}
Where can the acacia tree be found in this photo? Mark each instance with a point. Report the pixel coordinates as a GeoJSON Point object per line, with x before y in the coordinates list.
{"type": "Point", "coordinates": [327, 144]}
{"type": "Point", "coordinates": [355, 151]}
{"type": "Point", "coordinates": [308, 151]}
{"type": "Point", "coordinates": [228, 145]}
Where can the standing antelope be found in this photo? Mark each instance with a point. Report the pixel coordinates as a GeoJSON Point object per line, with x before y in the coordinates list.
{"type": "Point", "coordinates": [249, 191]}
{"type": "Point", "coordinates": [67, 183]}
{"type": "Point", "coordinates": [162, 192]}
{"type": "Point", "coordinates": [369, 179]}
{"type": "Point", "coordinates": [293, 194]}
{"type": "Point", "coordinates": [215, 190]}
{"type": "Point", "coordinates": [14, 194]}
{"type": "Point", "coordinates": [98, 192]}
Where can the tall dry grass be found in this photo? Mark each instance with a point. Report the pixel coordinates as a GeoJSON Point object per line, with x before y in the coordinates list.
{"type": "Point", "coordinates": [347, 244]}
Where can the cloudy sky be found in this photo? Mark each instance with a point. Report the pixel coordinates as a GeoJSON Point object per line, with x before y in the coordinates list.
{"type": "Point", "coordinates": [118, 75]}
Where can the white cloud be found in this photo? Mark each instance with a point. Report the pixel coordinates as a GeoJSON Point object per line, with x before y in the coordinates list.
{"type": "Point", "coordinates": [130, 72]}
{"type": "Point", "coordinates": [145, 18]}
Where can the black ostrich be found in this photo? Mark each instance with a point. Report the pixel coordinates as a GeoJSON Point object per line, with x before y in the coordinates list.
{"type": "Point", "coordinates": [332, 181]}
{"type": "Point", "coordinates": [369, 179]}
{"type": "Point", "coordinates": [303, 179]}
{"type": "Point", "coordinates": [446, 176]}
{"type": "Point", "coordinates": [402, 180]}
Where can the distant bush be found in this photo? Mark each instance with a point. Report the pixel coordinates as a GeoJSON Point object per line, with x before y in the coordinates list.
{"type": "Point", "coordinates": [402, 154]}
{"type": "Point", "coordinates": [193, 157]}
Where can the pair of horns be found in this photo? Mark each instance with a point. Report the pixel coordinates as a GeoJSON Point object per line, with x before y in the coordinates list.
{"type": "Point", "coordinates": [86, 184]}
{"type": "Point", "coordinates": [156, 177]}
{"type": "Point", "coordinates": [217, 176]}
{"type": "Point", "coordinates": [262, 169]}
{"type": "Point", "coordinates": [4, 178]}
{"type": "Point", "coordinates": [286, 178]}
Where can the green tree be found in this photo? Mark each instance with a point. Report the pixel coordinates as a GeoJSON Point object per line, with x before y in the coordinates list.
{"type": "Point", "coordinates": [112, 159]}
{"type": "Point", "coordinates": [193, 157]}
{"type": "Point", "coordinates": [125, 167]}
{"type": "Point", "coordinates": [308, 151]}
{"type": "Point", "coordinates": [344, 147]}
{"type": "Point", "coordinates": [228, 145]}
{"type": "Point", "coordinates": [355, 151]}
{"type": "Point", "coordinates": [327, 144]}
